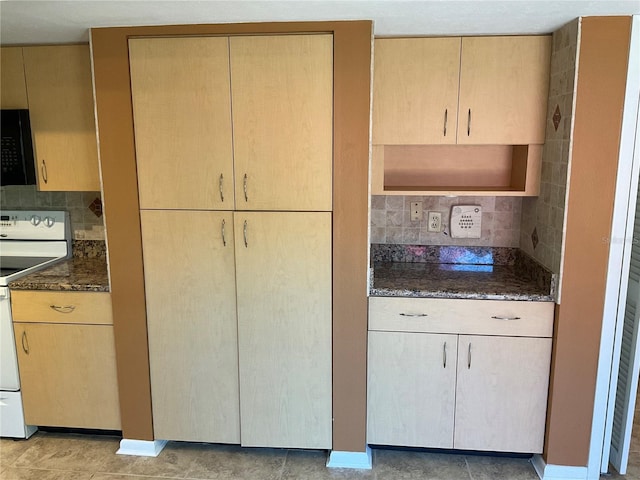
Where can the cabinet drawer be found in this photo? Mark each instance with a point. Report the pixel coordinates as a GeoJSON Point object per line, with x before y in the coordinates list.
{"type": "Point", "coordinates": [473, 317]}
{"type": "Point", "coordinates": [62, 307]}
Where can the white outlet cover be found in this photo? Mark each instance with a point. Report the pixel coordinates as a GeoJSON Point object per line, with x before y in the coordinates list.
{"type": "Point", "coordinates": [465, 221]}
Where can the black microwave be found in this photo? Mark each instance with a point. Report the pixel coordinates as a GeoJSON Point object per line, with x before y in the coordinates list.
{"type": "Point", "coordinates": [17, 165]}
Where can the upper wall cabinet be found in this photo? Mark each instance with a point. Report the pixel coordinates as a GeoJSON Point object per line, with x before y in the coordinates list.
{"type": "Point", "coordinates": [415, 94]}
{"type": "Point", "coordinates": [459, 116]}
{"type": "Point", "coordinates": [60, 95]}
{"type": "Point", "coordinates": [504, 84]}
{"type": "Point", "coordinates": [257, 107]}
{"type": "Point", "coordinates": [474, 90]}
{"type": "Point", "coordinates": [14, 90]}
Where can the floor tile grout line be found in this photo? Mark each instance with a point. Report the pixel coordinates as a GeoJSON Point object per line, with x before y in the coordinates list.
{"type": "Point", "coordinates": [468, 468]}
{"type": "Point", "coordinates": [284, 464]}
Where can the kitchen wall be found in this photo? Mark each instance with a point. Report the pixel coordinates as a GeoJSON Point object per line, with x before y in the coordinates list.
{"type": "Point", "coordinates": [391, 223]}
{"type": "Point", "coordinates": [85, 208]}
{"type": "Point", "coordinates": [542, 225]}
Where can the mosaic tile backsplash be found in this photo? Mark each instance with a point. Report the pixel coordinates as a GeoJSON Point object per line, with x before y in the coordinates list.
{"type": "Point", "coordinates": [391, 221]}
{"type": "Point", "coordinates": [85, 208]}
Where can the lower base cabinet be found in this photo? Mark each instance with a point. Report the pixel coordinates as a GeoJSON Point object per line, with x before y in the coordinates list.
{"type": "Point", "coordinates": [458, 388]}
{"type": "Point", "coordinates": [68, 375]}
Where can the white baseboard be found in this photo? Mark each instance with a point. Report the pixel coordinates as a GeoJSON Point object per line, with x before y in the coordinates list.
{"type": "Point", "coordinates": [141, 448]}
{"type": "Point", "coordinates": [557, 472]}
{"type": "Point", "coordinates": [350, 459]}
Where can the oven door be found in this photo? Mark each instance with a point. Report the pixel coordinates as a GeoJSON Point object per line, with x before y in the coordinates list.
{"type": "Point", "coordinates": [9, 380]}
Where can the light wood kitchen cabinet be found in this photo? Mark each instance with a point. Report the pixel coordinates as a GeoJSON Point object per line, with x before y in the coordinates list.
{"type": "Point", "coordinates": [182, 114]}
{"type": "Point", "coordinates": [191, 321]}
{"type": "Point", "coordinates": [67, 364]}
{"type": "Point", "coordinates": [240, 299]}
{"type": "Point", "coordinates": [282, 98]}
{"type": "Point", "coordinates": [415, 95]}
{"type": "Point", "coordinates": [411, 389]}
{"type": "Point", "coordinates": [13, 94]}
{"type": "Point", "coordinates": [283, 274]}
{"type": "Point", "coordinates": [60, 94]}
{"type": "Point", "coordinates": [497, 120]}
{"type": "Point", "coordinates": [504, 85]}
{"type": "Point", "coordinates": [280, 91]}
{"type": "Point", "coordinates": [500, 382]}
{"type": "Point", "coordinates": [501, 393]}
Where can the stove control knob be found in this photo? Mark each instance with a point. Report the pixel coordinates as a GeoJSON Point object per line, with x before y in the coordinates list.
{"type": "Point", "coordinates": [49, 221]}
{"type": "Point", "coordinates": [35, 220]}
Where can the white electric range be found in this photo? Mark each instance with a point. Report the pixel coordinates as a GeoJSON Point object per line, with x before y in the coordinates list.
{"type": "Point", "coordinates": [29, 241]}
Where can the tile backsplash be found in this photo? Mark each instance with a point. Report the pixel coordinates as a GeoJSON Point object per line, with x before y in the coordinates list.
{"type": "Point", "coordinates": [391, 222]}
{"type": "Point", "coordinates": [542, 227]}
{"type": "Point", "coordinates": [84, 207]}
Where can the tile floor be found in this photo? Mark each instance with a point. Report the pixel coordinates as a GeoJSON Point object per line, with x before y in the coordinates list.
{"type": "Point", "coordinates": [58, 456]}
{"type": "Point", "coordinates": [66, 456]}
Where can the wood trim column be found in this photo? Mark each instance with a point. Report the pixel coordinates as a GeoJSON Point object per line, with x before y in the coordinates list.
{"type": "Point", "coordinates": [602, 71]}
{"type": "Point", "coordinates": [352, 57]}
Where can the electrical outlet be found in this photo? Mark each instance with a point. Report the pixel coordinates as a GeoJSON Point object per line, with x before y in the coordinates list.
{"type": "Point", "coordinates": [416, 211]}
{"type": "Point", "coordinates": [435, 222]}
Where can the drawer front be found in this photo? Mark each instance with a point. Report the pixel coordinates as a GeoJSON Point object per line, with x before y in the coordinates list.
{"type": "Point", "coordinates": [92, 308]}
{"type": "Point", "coordinates": [461, 316]}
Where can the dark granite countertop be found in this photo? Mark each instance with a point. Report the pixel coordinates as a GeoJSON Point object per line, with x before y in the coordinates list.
{"type": "Point", "coordinates": [414, 271]}
{"type": "Point", "coordinates": [75, 274]}
{"type": "Point", "coordinates": [86, 271]}
{"type": "Point", "coordinates": [493, 282]}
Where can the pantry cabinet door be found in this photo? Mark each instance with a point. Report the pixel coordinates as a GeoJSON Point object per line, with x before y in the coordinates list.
{"type": "Point", "coordinates": [282, 97]}
{"type": "Point", "coordinates": [415, 90]}
{"type": "Point", "coordinates": [60, 94]}
{"type": "Point", "coordinates": [68, 375]}
{"type": "Point", "coordinates": [411, 389]}
{"type": "Point", "coordinates": [182, 115]}
{"type": "Point", "coordinates": [283, 262]}
{"type": "Point", "coordinates": [504, 85]}
{"type": "Point", "coordinates": [501, 400]}
{"type": "Point", "coordinates": [191, 320]}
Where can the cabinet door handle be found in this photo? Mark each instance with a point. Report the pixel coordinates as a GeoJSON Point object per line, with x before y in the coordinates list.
{"type": "Point", "coordinates": [43, 170]}
{"type": "Point", "coordinates": [469, 356]}
{"type": "Point", "coordinates": [413, 315]}
{"type": "Point", "coordinates": [224, 240]}
{"type": "Point", "coordinates": [220, 183]}
{"type": "Point", "coordinates": [469, 123]}
{"type": "Point", "coordinates": [444, 355]}
{"type": "Point", "coordinates": [246, 197]}
{"type": "Point", "coordinates": [25, 342]}
{"type": "Point", "coordinates": [446, 111]}
{"type": "Point", "coordinates": [244, 231]}
{"type": "Point", "coordinates": [63, 308]}
{"type": "Point", "coordinates": [499, 317]}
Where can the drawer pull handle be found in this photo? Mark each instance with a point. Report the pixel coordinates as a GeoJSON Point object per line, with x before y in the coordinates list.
{"type": "Point", "coordinates": [244, 232]}
{"type": "Point", "coordinates": [469, 356]}
{"type": "Point", "coordinates": [220, 183]}
{"type": "Point", "coordinates": [469, 124]}
{"type": "Point", "coordinates": [413, 315]}
{"type": "Point", "coordinates": [25, 342]}
{"type": "Point", "coordinates": [63, 309]}
{"type": "Point", "coordinates": [444, 355]}
{"type": "Point", "coordinates": [498, 317]}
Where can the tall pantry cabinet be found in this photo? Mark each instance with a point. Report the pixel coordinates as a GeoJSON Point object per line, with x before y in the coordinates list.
{"type": "Point", "coordinates": [234, 157]}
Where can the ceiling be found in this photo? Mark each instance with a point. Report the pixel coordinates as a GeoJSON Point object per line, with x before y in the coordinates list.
{"type": "Point", "coordinates": [41, 22]}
